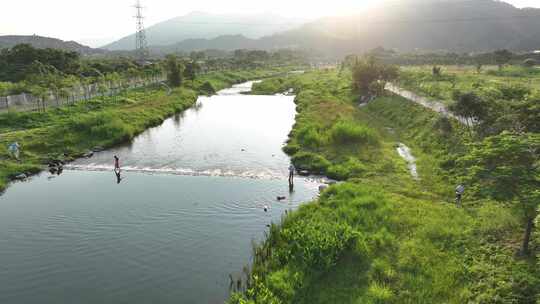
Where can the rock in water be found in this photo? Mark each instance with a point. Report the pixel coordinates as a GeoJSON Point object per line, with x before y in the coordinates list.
{"type": "Point", "coordinates": [21, 176]}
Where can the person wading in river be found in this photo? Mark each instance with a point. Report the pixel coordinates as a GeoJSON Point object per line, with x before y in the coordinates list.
{"type": "Point", "coordinates": [291, 176]}
{"type": "Point", "coordinates": [116, 164]}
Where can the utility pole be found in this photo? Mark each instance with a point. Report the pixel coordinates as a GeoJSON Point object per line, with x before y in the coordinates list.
{"type": "Point", "coordinates": [141, 45]}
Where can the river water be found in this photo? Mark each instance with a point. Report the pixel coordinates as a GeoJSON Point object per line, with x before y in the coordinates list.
{"type": "Point", "coordinates": [181, 219]}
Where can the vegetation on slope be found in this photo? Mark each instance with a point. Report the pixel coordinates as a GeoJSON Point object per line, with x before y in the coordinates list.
{"type": "Point", "coordinates": [382, 237]}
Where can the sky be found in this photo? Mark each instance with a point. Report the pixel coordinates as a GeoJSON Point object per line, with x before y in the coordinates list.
{"type": "Point", "coordinates": [98, 22]}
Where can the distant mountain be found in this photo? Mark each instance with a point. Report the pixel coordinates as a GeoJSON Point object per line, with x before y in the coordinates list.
{"type": "Point", "coordinates": [452, 25]}
{"type": "Point", "coordinates": [46, 42]}
{"type": "Point", "coordinates": [430, 25]}
{"type": "Point", "coordinates": [199, 25]}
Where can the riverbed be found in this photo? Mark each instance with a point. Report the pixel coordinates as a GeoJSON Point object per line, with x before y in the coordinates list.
{"type": "Point", "coordinates": [181, 218]}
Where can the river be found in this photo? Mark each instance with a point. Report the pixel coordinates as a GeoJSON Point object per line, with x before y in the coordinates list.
{"type": "Point", "coordinates": [181, 219]}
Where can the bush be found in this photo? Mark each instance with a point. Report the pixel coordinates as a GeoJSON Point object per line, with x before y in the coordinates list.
{"type": "Point", "coordinates": [207, 88]}
{"type": "Point", "coordinates": [314, 243]}
{"type": "Point", "coordinates": [348, 132]}
{"type": "Point", "coordinates": [99, 125]}
{"type": "Point", "coordinates": [310, 137]}
{"type": "Point", "coordinates": [514, 92]}
{"type": "Point", "coordinates": [351, 168]}
{"type": "Point", "coordinates": [312, 162]}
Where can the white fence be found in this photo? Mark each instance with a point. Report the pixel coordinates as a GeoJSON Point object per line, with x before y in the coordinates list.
{"type": "Point", "coordinates": [28, 102]}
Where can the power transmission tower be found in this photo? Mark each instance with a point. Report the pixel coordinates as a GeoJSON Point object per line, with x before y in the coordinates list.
{"type": "Point", "coordinates": [141, 45]}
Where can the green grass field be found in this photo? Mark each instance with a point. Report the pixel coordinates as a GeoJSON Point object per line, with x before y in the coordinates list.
{"type": "Point", "coordinates": [382, 236]}
{"type": "Point", "coordinates": [68, 132]}
{"type": "Point", "coordinates": [490, 81]}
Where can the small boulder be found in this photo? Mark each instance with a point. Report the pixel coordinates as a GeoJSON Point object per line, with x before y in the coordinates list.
{"type": "Point", "coordinates": [89, 154]}
{"type": "Point", "coordinates": [21, 176]}
{"type": "Point", "coordinates": [303, 172]}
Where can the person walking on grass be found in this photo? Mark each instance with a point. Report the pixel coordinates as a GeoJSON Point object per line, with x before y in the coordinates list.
{"type": "Point", "coordinates": [15, 150]}
{"type": "Point", "coordinates": [460, 189]}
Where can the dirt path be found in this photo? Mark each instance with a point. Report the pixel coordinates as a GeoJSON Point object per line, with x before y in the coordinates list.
{"type": "Point", "coordinates": [433, 105]}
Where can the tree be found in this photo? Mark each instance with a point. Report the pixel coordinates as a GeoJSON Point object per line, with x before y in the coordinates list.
{"type": "Point", "coordinates": [370, 77]}
{"type": "Point", "coordinates": [191, 70]}
{"type": "Point", "coordinates": [502, 57]}
{"type": "Point", "coordinates": [436, 71]}
{"type": "Point", "coordinates": [506, 167]}
{"type": "Point", "coordinates": [470, 106]}
{"type": "Point", "coordinates": [174, 71]}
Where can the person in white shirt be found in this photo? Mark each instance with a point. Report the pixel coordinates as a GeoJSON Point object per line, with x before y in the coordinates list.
{"type": "Point", "coordinates": [460, 189]}
{"type": "Point", "coordinates": [15, 150]}
{"type": "Point", "coordinates": [291, 175]}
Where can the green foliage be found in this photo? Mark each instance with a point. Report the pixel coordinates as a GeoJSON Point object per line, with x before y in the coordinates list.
{"type": "Point", "coordinates": [349, 132]}
{"type": "Point", "coordinates": [309, 136]}
{"type": "Point", "coordinates": [404, 243]}
{"type": "Point", "coordinates": [174, 71]}
{"type": "Point", "coordinates": [514, 92]}
{"type": "Point", "coordinates": [346, 170]}
{"type": "Point", "coordinates": [370, 76]}
{"type": "Point", "coordinates": [191, 69]}
{"type": "Point", "coordinates": [502, 57]}
{"type": "Point", "coordinates": [309, 161]}
{"type": "Point", "coordinates": [505, 167]}
{"type": "Point", "coordinates": [21, 60]}
{"type": "Point", "coordinates": [207, 88]}
{"type": "Point", "coordinates": [470, 105]}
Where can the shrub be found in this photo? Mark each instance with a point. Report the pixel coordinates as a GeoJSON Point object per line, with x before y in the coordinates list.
{"type": "Point", "coordinates": [351, 168]}
{"type": "Point", "coordinates": [99, 125]}
{"type": "Point", "coordinates": [348, 132]}
{"type": "Point", "coordinates": [310, 137]}
{"type": "Point", "coordinates": [207, 88]}
{"type": "Point", "coordinates": [514, 92]}
{"type": "Point", "coordinates": [315, 243]}
{"type": "Point", "coordinates": [311, 161]}
{"type": "Point", "coordinates": [291, 149]}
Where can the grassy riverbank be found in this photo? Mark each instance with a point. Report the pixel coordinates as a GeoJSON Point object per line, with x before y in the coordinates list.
{"type": "Point", "coordinates": [69, 132]}
{"type": "Point", "coordinates": [382, 236]}
{"type": "Point", "coordinates": [489, 81]}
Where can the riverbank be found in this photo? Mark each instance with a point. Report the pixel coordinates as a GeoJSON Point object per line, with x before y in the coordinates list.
{"type": "Point", "coordinates": [70, 132]}
{"type": "Point", "coordinates": [382, 236]}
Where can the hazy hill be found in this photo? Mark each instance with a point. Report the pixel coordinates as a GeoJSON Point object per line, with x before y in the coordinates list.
{"type": "Point", "coordinates": [208, 26]}
{"type": "Point", "coordinates": [458, 25]}
{"type": "Point", "coordinates": [46, 42]}
{"type": "Point", "coordinates": [452, 25]}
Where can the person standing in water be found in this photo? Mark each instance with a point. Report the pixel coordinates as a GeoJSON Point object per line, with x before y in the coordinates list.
{"type": "Point", "coordinates": [291, 175]}
{"type": "Point", "coordinates": [116, 164]}
{"type": "Point", "coordinates": [117, 170]}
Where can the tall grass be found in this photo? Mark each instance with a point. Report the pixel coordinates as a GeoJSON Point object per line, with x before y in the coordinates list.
{"type": "Point", "coordinates": [347, 132]}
